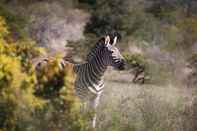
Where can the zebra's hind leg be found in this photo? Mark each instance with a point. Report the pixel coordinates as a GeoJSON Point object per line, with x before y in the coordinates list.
{"type": "Point", "coordinates": [94, 104]}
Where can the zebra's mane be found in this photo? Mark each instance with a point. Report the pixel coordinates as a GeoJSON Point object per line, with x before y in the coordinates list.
{"type": "Point", "coordinates": [99, 45]}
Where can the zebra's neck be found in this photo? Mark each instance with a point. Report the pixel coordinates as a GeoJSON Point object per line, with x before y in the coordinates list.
{"type": "Point", "coordinates": [97, 67]}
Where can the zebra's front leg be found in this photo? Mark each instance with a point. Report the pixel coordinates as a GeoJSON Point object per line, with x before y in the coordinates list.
{"type": "Point", "coordinates": [94, 104]}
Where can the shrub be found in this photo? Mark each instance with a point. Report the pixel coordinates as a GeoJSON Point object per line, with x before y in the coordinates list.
{"type": "Point", "coordinates": [139, 66]}
{"type": "Point", "coordinates": [21, 108]}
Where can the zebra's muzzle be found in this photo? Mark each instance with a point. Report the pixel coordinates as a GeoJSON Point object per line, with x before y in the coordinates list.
{"type": "Point", "coordinates": [121, 65]}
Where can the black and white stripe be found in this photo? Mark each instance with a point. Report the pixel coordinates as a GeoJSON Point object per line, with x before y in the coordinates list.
{"type": "Point", "coordinates": [89, 83]}
{"type": "Point", "coordinates": [90, 76]}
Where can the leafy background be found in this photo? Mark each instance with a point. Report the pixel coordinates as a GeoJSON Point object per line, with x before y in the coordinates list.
{"type": "Point", "coordinates": [157, 91]}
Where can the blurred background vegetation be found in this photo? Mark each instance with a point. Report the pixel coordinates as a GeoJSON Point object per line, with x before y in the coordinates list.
{"type": "Point", "coordinates": [158, 38]}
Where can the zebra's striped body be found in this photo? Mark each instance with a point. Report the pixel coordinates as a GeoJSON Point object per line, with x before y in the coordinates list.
{"type": "Point", "coordinates": [90, 75]}
{"type": "Point", "coordinates": [89, 83]}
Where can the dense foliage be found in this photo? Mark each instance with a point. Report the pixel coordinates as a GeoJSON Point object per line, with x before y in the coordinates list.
{"type": "Point", "coordinates": [21, 106]}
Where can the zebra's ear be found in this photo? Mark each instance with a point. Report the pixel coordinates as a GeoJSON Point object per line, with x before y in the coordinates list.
{"type": "Point", "coordinates": [107, 40]}
{"type": "Point", "coordinates": [114, 41]}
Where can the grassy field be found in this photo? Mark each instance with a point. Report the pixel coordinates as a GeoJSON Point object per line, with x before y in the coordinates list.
{"type": "Point", "coordinates": [129, 107]}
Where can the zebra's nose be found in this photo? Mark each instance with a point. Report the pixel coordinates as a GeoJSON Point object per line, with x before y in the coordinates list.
{"type": "Point", "coordinates": [123, 61]}
{"type": "Point", "coordinates": [122, 65]}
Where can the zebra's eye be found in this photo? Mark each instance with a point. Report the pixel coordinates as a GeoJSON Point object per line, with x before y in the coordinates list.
{"type": "Point", "coordinates": [111, 52]}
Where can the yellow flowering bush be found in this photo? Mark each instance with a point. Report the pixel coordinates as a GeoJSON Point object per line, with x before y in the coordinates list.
{"type": "Point", "coordinates": [57, 86]}
{"type": "Point", "coordinates": [35, 101]}
{"type": "Point", "coordinates": [16, 84]}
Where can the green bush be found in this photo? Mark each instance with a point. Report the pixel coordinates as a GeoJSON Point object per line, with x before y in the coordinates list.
{"type": "Point", "coordinates": [135, 60]}
{"type": "Point", "coordinates": [55, 107]}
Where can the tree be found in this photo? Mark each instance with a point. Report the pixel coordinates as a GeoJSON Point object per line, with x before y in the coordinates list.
{"type": "Point", "coordinates": [113, 15]}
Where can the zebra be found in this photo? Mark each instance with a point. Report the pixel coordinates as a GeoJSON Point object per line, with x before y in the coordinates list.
{"type": "Point", "coordinates": [89, 83]}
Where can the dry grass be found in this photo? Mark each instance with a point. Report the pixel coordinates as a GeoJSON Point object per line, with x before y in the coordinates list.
{"type": "Point", "coordinates": [129, 107]}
